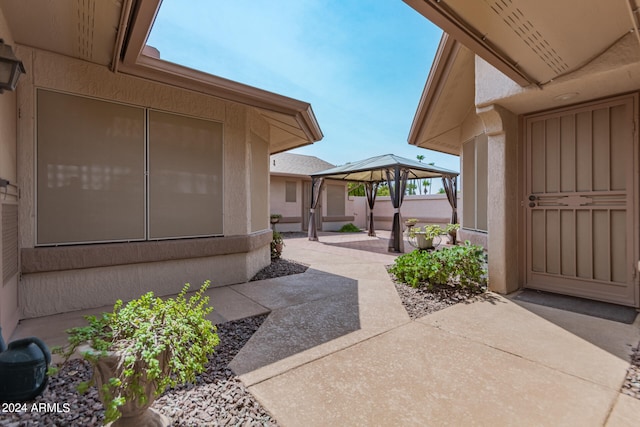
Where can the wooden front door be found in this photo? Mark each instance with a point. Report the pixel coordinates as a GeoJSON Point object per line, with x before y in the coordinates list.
{"type": "Point", "coordinates": [580, 201]}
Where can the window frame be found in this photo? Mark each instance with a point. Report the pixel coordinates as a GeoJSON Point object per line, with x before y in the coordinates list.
{"type": "Point", "coordinates": [144, 141]}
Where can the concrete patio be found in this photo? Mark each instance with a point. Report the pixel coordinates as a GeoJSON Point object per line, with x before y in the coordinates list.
{"type": "Point", "coordinates": [338, 348]}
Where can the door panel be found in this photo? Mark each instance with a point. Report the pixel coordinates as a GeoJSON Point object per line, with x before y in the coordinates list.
{"type": "Point", "coordinates": [581, 218]}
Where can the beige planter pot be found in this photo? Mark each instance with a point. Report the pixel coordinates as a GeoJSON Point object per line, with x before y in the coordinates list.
{"type": "Point", "coordinates": [134, 413]}
{"type": "Point", "coordinates": [423, 242]}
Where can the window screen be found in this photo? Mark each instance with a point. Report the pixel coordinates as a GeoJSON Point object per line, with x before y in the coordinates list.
{"type": "Point", "coordinates": [90, 170]}
{"type": "Point", "coordinates": [290, 191]}
{"type": "Point", "coordinates": [185, 176]}
{"type": "Point", "coordinates": [335, 200]}
{"type": "Point", "coordinates": [475, 183]}
{"type": "Point", "coordinates": [9, 241]}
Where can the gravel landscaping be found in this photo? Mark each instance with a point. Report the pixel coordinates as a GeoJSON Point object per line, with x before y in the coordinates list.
{"type": "Point", "coordinates": [419, 301]}
{"type": "Point", "coordinates": [631, 384]}
{"type": "Point", "coordinates": [280, 267]}
{"type": "Point", "coordinates": [218, 398]}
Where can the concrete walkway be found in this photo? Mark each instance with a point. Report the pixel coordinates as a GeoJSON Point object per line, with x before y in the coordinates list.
{"type": "Point", "coordinates": [339, 349]}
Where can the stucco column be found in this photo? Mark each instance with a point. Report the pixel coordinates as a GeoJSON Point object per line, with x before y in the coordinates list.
{"type": "Point", "coordinates": [237, 198]}
{"type": "Point", "coordinates": [501, 127]}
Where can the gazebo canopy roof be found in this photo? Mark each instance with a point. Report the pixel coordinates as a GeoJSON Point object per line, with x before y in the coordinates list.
{"type": "Point", "coordinates": [373, 169]}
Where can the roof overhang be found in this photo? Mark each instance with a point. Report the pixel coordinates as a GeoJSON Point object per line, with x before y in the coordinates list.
{"type": "Point", "coordinates": [114, 34]}
{"type": "Point", "coordinates": [533, 42]}
{"type": "Point", "coordinates": [447, 99]}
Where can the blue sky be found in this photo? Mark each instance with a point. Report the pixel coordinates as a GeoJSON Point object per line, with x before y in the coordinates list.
{"type": "Point", "coordinates": [362, 65]}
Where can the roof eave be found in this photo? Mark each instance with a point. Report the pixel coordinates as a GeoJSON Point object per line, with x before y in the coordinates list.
{"type": "Point", "coordinates": [438, 74]}
{"type": "Point", "coordinates": [437, 12]}
{"type": "Point", "coordinates": [134, 62]}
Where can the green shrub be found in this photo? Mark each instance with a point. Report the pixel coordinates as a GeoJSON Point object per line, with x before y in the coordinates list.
{"type": "Point", "coordinates": [458, 265]}
{"type": "Point", "coordinates": [142, 332]}
{"type": "Point", "coordinates": [349, 228]}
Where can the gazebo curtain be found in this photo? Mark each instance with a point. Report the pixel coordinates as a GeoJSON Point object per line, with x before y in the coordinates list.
{"type": "Point", "coordinates": [397, 187]}
{"type": "Point", "coordinates": [371, 188]}
{"type": "Point", "coordinates": [316, 187]}
{"type": "Point", "coordinates": [450, 188]}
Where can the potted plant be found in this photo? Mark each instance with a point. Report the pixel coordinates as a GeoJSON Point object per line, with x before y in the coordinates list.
{"type": "Point", "coordinates": [143, 347]}
{"type": "Point", "coordinates": [423, 237]}
{"type": "Point", "coordinates": [452, 231]}
{"type": "Point", "coordinates": [277, 243]}
{"type": "Point", "coordinates": [275, 218]}
{"type": "Point", "coordinates": [410, 222]}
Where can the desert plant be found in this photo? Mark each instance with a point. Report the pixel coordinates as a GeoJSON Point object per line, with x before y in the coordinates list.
{"type": "Point", "coordinates": [349, 228]}
{"type": "Point", "coordinates": [162, 342]}
{"type": "Point", "coordinates": [456, 266]}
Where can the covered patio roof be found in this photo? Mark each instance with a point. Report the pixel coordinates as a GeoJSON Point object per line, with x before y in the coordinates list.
{"type": "Point", "coordinates": [392, 170]}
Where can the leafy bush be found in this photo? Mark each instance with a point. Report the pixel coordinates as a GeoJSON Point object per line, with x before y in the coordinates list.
{"type": "Point", "coordinates": [349, 228]}
{"type": "Point", "coordinates": [457, 265]}
{"type": "Point", "coordinates": [142, 332]}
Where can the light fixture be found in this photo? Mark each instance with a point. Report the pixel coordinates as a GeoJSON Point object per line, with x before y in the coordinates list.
{"type": "Point", "coordinates": [10, 68]}
{"type": "Point", "coordinates": [566, 96]}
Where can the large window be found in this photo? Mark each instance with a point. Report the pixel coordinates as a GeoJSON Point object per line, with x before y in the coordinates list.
{"type": "Point", "coordinates": [291, 190]}
{"type": "Point", "coordinates": [103, 177]}
{"type": "Point", "coordinates": [185, 176]}
{"type": "Point", "coordinates": [474, 183]}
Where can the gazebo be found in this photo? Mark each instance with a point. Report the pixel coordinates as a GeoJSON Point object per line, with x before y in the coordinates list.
{"type": "Point", "coordinates": [393, 170]}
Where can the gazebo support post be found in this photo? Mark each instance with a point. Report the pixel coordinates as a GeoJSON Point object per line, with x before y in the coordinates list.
{"type": "Point", "coordinates": [371, 190]}
{"type": "Point", "coordinates": [316, 187]}
{"type": "Point", "coordinates": [396, 192]}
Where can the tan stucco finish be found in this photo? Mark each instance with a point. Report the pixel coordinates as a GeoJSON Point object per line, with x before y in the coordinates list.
{"type": "Point", "coordinates": [9, 313]}
{"type": "Point", "coordinates": [502, 217]}
{"type": "Point", "coordinates": [99, 284]}
{"type": "Point", "coordinates": [615, 71]}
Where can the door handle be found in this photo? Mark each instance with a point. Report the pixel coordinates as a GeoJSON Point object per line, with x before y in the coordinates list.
{"type": "Point", "coordinates": [532, 198]}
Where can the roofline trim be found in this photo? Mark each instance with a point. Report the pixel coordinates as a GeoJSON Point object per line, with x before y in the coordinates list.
{"type": "Point", "coordinates": [135, 63]}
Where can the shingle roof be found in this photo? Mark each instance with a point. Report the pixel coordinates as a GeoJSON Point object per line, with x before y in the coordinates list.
{"type": "Point", "coordinates": [296, 164]}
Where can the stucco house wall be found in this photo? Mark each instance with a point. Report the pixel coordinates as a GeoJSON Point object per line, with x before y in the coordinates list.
{"type": "Point", "coordinates": [47, 288]}
{"type": "Point", "coordinates": [291, 211]}
{"type": "Point", "coordinates": [501, 101]}
{"type": "Point", "coordinates": [332, 222]}
{"type": "Point", "coordinates": [426, 208]}
{"type": "Point", "coordinates": [9, 312]}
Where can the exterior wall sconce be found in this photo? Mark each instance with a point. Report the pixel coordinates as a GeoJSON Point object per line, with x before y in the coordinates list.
{"type": "Point", "coordinates": [10, 68]}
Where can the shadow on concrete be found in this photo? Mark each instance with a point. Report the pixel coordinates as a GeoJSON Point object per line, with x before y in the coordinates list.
{"type": "Point", "coordinates": [612, 336]}
{"type": "Point", "coordinates": [374, 244]}
{"type": "Point", "coordinates": [308, 310]}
